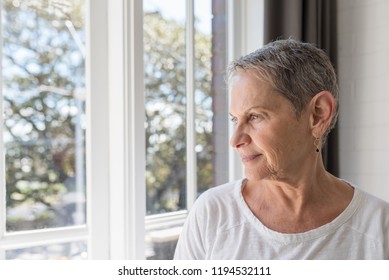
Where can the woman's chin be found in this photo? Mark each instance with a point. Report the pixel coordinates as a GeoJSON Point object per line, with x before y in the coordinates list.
{"type": "Point", "coordinates": [260, 172]}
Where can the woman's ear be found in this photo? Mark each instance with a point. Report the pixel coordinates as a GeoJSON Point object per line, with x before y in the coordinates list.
{"type": "Point", "coordinates": [322, 107]}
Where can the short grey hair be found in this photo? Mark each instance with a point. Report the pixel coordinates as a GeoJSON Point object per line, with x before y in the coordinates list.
{"type": "Point", "coordinates": [296, 70]}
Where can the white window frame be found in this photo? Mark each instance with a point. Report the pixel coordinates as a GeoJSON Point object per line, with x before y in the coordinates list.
{"type": "Point", "coordinates": [116, 188]}
{"type": "Point", "coordinates": [127, 137]}
{"type": "Point", "coordinates": [97, 137]}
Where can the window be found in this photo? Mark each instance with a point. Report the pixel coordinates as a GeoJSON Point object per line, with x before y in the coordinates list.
{"type": "Point", "coordinates": [91, 164]}
{"type": "Point", "coordinates": [185, 53]}
{"type": "Point", "coordinates": [43, 86]}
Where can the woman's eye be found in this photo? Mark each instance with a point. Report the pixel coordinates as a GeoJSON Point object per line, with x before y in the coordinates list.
{"type": "Point", "coordinates": [254, 117]}
{"type": "Point", "coordinates": [234, 120]}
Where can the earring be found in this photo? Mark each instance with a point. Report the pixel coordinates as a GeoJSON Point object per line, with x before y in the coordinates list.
{"type": "Point", "coordinates": [317, 144]}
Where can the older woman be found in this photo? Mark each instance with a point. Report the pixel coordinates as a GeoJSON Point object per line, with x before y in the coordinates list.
{"type": "Point", "coordinates": [283, 105]}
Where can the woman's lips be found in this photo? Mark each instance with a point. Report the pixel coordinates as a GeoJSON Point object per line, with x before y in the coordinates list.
{"type": "Point", "coordinates": [248, 158]}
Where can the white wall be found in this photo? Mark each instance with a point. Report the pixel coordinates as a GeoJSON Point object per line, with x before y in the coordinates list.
{"type": "Point", "coordinates": [363, 69]}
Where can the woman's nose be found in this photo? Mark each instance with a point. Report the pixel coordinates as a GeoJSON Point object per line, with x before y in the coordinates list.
{"type": "Point", "coordinates": [239, 138]}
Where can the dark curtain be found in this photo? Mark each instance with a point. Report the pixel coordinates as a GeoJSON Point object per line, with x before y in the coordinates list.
{"type": "Point", "coordinates": [312, 21]}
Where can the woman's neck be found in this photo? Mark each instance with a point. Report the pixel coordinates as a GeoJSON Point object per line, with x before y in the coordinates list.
{"type": "Point", "coordinates": [297, 205]}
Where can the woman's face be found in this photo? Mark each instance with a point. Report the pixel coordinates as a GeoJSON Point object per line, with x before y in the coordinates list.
{"type": "Point", "coordinates": [271, 141]}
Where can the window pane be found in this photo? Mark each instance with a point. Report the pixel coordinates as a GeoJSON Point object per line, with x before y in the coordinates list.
{"type": "Point", "coordinates": [63, 251]}
{"type": "Point", "coordinates": [43, 95]}
{"type": "Point", "coordinates": [164, 60]}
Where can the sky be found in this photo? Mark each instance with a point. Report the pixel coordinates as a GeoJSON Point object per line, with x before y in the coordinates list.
{"type": "Point", "coordinates": [175, 9]}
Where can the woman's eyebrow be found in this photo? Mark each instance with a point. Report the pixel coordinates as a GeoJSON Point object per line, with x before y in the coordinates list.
{"type": "Point", "coordinates": [249, 110]}
{"type": "Point", "coordinates": [256, 107]}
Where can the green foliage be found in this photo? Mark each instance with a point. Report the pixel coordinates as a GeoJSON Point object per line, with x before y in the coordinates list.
{"type": "Point", "coordinates": [165, 79]}
{"type": "Point", "coordinates": [43, 67]}
{"type": "Point", "coordinates": [43, 70]}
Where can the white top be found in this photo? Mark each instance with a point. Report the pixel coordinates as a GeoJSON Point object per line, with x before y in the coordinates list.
{"type": "Point", "coordinates": [221, 226]}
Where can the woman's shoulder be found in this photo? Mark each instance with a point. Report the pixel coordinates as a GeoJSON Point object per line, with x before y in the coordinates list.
{"type": "Point", "coordinates": [372, 210]}
{"type": "Point", "coordinates": [218, 209]}
{"type": "Point", "coordinates": [366, 199]}
{"type": "Point", "coordinates": [372, 202]}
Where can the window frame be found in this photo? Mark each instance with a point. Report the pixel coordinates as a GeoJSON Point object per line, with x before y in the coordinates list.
{"type": "Point", "coordinates": [127, 139]}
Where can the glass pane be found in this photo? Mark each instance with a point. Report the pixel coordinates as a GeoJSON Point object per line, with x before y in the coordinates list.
{"type": "Point", "coordinates": [63, 251]}
{"type": "Point", "coordinates": [164, 60]}
{"type": "Point", "coordinates": [210, 93]}
{"type": "Point", "coordinates": [44, 109]}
